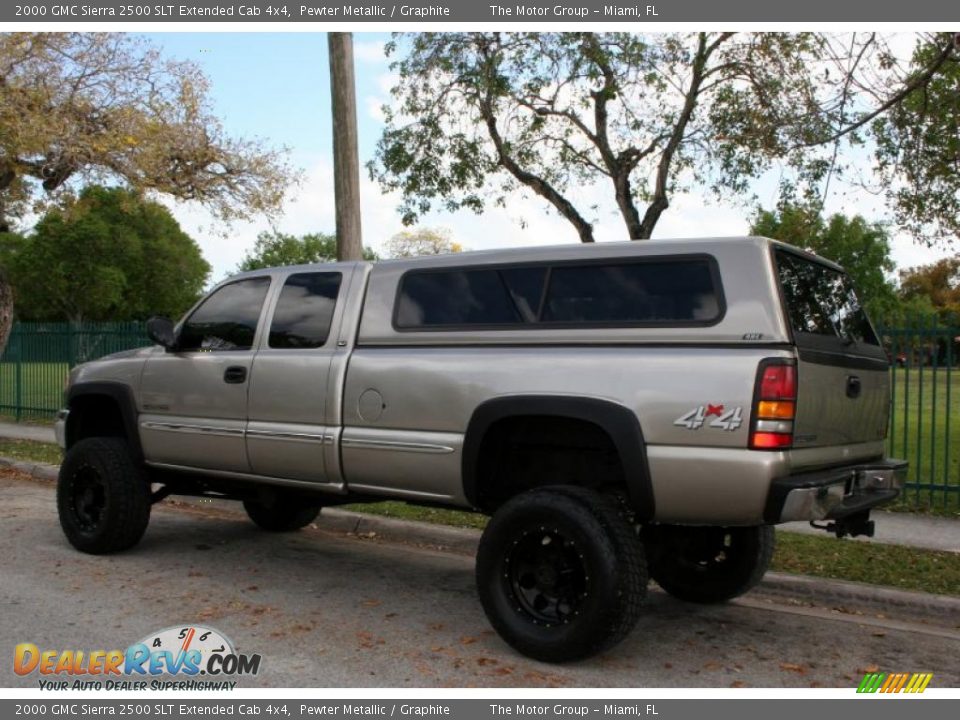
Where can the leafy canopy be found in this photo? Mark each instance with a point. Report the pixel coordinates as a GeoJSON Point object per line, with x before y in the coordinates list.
{"type": "Point", "coordinates": [918, 152]}
{"type": "Point", "coordinates": [422, 241]}
{"type": "Point", "coordinates": [478, 115]}
{"type": "Point", "coordinates": [936, 285]}
{"type": "Point", "coordinates": [276, 249]}
{"type": "Point", "coordinates": [107, 107]}
{"type": "Point", "coordinates": [108, 255]}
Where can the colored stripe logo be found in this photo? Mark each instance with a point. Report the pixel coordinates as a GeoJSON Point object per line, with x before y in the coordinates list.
{"type": "Point", "coordinates": [894, 682]}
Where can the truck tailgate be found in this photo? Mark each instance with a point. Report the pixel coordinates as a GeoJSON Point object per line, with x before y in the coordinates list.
{"type": "Point", "coordinates": [842, 372]}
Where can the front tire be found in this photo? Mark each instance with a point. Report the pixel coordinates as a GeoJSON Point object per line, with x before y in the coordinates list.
{"type": "Point", "coordinates": [103, 496]}
{"type": "Point", "coordinates": [708, 564]}
{"type": "Point", "coordinates": [560, 573]}
{"type": "Point", "coordinates": [281, 512]}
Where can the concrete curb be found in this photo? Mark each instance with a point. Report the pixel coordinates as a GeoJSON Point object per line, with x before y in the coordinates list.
{"type": "Point", "coordinates": [778, 587]}
{"type": "Point", "coordinates": [847, 595]}
{"type": "Point", "coordinates": [41, 471]}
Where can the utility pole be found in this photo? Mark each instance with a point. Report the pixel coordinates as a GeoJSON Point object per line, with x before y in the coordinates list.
{"type": "Point", "coordinates": [346, 165]}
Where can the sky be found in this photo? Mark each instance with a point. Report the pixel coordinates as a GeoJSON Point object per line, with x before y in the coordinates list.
{"type": "Point", "coordinates": [275, 86]}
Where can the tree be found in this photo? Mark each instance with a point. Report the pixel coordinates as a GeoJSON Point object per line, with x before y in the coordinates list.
{"type": "Point", "coordinates": [936, 285]}
{"type": "Point", "coordinates": [276, 249]}
{"type": "Point", "coordinates": [422, 241]}
{"type": "Point", "coordinates": [478, 115]}
{"type": "Point", "coordinates": [90, 106]}
{"type": "Point", "coordinates": [108, 255]}
{"type": "Point", "coordinates": [77, 108]}
{"type": "Point", "coordinates": [861, 247]}
{"type": "Point", "coordinates": [918, 153]}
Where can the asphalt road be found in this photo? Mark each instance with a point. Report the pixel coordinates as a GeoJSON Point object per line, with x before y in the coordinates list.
{"type": "Point", "coordinates": [327, 609]}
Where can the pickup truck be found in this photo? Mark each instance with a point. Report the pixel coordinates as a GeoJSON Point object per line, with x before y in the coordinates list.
{"type": "Point", "coordinates": [621, 411]}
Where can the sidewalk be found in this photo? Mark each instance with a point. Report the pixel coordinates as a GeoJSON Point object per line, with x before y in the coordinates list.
{"type": "Point", "coordinates": [893, 528]}
{"type": "Point", "coordinates": [18, 431]}
{"type": "Point", "coordinates": [902, 528]}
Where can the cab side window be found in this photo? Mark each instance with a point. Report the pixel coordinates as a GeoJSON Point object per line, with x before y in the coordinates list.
{"type": "Point", "coordinates": [227, 319]}
{"type": "Point", "coordinates": [305, 310]}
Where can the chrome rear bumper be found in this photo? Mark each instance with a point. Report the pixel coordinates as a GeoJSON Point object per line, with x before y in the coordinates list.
{"type": "Point", "coordinates": [835, 493]}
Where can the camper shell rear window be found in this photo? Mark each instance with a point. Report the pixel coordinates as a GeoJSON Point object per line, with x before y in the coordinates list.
{"type": "Point", "coordinates": [821, 303]}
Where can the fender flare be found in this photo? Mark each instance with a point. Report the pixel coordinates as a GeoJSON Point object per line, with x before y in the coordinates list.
{"type": "Point", "coordinates": [122, 395]}
{"type": "Point", "coordinates": [619, 422]}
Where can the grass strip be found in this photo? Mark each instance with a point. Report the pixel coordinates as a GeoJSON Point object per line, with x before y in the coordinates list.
{"type": "Point", "coordinates": [30, 451]}
{"type": "Point", "coordinates": [895, 566]}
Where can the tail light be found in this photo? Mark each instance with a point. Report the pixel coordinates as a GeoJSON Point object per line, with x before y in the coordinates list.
{"type": "Point", "coordinates": [774, 405]}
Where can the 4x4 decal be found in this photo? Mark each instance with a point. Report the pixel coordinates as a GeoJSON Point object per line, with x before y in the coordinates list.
{"type": "Point", "coordinates": [723, 419]}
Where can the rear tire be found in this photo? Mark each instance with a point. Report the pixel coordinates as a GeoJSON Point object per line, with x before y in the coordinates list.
{"type": "Point", "coordinates": [281, 512]}
{"type": "Point", "coordinates": [560, 574]}
{"type": "Point", "coordinates": [708, 564]}
{"type": "Point", "coordinates": [103, 496]}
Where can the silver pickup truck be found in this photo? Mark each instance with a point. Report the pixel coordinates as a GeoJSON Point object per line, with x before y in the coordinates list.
{"type": "Point", "coordinates": [620, 410]}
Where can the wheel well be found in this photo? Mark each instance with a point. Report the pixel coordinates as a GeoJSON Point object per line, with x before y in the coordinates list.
{"type": "Point", "coordinates": [94, 416]}
{"type": "Point", "coordinates": [527, 451]}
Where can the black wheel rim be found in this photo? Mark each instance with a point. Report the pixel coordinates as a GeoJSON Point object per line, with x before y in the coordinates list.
{"type": "Point", "coordinates": [88, 498]}
{"type": "Point", "coordinates": [547, 575]}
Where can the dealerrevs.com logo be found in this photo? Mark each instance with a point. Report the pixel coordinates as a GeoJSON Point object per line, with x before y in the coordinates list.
{"type": "Point", "coordinates": [195, 657]}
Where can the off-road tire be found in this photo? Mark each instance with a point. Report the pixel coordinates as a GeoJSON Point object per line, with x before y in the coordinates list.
{"type": "Point", "coordinates": [708, 564]}
{"type": "Point", "coordinates": [281, 512]}
{"type": "Point", "coordinates": [530, 591]}
{"type": "Point", "coordinates": [103, 496]}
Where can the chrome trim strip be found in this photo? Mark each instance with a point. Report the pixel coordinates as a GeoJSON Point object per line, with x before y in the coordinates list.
{"type": "Point", "coordinates": [187, 428]}
{"type": "Point", "coordinates": [283, 435]}
{"type": "Point", "coordinates": [398, 445]}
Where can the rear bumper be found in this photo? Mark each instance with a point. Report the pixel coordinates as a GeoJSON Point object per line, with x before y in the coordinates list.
{"type": "Point", "coordinates": [835, 493]}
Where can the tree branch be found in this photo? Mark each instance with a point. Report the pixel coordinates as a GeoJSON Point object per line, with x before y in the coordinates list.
{"type": "Point", "coordinates": [660, 201]}
{"type": "Point", "coordinates": [918, 82]}
{"type": "Point", "coordinates": [534, 182]}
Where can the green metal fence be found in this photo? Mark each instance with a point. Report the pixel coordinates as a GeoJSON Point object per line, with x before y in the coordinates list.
{"type": "Point", "coordinates": [924, 411]}
{"type": "Point", "coordinates": [38, 357]}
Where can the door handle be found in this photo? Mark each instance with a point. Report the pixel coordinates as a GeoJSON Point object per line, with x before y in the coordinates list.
{"type": "Point", "coordinates": [853, 386]}
{"type": "Point", "coordinates": [235, 374]}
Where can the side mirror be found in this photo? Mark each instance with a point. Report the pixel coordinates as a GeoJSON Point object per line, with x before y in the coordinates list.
{"type": "Point", "coordinates": [160, 330]}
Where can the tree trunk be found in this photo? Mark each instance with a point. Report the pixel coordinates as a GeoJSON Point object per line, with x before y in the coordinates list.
{"type": "Point", "coordinates": [628, 210]}
{"type": "Point", "coordinates": [346, 165]}
{"type": "Point", "coordinates": [6, 310]}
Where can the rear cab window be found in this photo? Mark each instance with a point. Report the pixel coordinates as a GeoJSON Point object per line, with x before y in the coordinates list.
{"type": "Point", "coordinates": [304, 311]}
{"type": "Point", "coordinates": [648, 292]}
